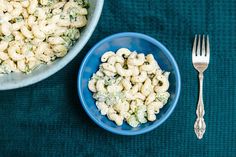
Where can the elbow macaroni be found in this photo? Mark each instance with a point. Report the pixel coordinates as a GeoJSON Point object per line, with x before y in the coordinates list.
{"type": "Point", "coordinates": [129, 87]}
{"type": "Point", "coordinates": [38, 22]}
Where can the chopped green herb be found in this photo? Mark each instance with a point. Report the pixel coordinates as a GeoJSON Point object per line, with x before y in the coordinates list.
{"type": "Point", "coordinates": [7, 38]}
{"type": "Point", "coordinates": [72, 33]}
{"type": "Point", "coordinates": [83, 3]}
{"type": "Point", "coordinates": [68, 41]}
{"type": "Point", "coordinates": [19, 19]}
{"type": "Point", "coordinates": [163, 97]}
{"type": "Point", "coordinates": [49, 15]}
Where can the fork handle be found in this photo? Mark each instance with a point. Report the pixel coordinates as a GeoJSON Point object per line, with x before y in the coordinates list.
{"type": "Point", "coordinates": [200, 126]}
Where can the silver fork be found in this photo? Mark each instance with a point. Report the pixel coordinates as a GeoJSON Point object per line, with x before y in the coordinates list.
{"type": "Point", "coordinates": [200, 59]}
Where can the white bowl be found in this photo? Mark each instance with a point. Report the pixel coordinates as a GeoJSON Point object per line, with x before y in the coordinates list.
{"type": "Point", "coordinates": [17, 80]}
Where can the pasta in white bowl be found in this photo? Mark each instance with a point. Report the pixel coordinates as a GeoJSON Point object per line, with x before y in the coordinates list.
{"type": "Point", "coordinates": [129, 86]}
{"type": "Point", "coordinates": [35, 32]}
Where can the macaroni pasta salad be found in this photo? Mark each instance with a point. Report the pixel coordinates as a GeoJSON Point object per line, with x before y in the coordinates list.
{"type": "Point", "coordinates": [33, 32]}
{"type": "Point", "coordinates": [129, 86]}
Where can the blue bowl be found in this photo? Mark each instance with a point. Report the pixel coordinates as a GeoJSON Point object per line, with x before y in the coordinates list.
{"type": "Point", "coordinates": [135, 42]}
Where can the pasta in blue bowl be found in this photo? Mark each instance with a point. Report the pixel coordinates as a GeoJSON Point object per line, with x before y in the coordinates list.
{"type": "Point", "coordinates": [129, 83]}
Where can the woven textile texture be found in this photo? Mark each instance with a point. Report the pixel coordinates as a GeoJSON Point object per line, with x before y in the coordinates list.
{"type": "Point", "coordinates": [47, 120]}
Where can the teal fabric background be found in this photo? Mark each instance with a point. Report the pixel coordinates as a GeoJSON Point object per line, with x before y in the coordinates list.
{"type": "Point", "coordinates": [47, 120]}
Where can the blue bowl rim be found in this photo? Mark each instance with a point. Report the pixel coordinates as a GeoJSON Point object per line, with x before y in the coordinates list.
{"type": "Point", "coordinates": [169, 56]}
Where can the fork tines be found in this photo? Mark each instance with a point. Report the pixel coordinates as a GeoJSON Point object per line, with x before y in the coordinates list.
{"type": "Point", "coordinates": [201, 48]}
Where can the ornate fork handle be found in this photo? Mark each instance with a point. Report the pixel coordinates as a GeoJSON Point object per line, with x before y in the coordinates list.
{"type": "Point", "coordinates": [200, 126]}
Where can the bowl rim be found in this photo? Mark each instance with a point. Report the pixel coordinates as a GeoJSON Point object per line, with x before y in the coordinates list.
{"type": "Point", "coordinates": [170, 58]}
{"type": "Point", "coordinates": [65, 60]}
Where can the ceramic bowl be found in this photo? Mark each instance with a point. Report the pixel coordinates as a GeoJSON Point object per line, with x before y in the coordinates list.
{"type": "Point", "coordinates": [134, 42]}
